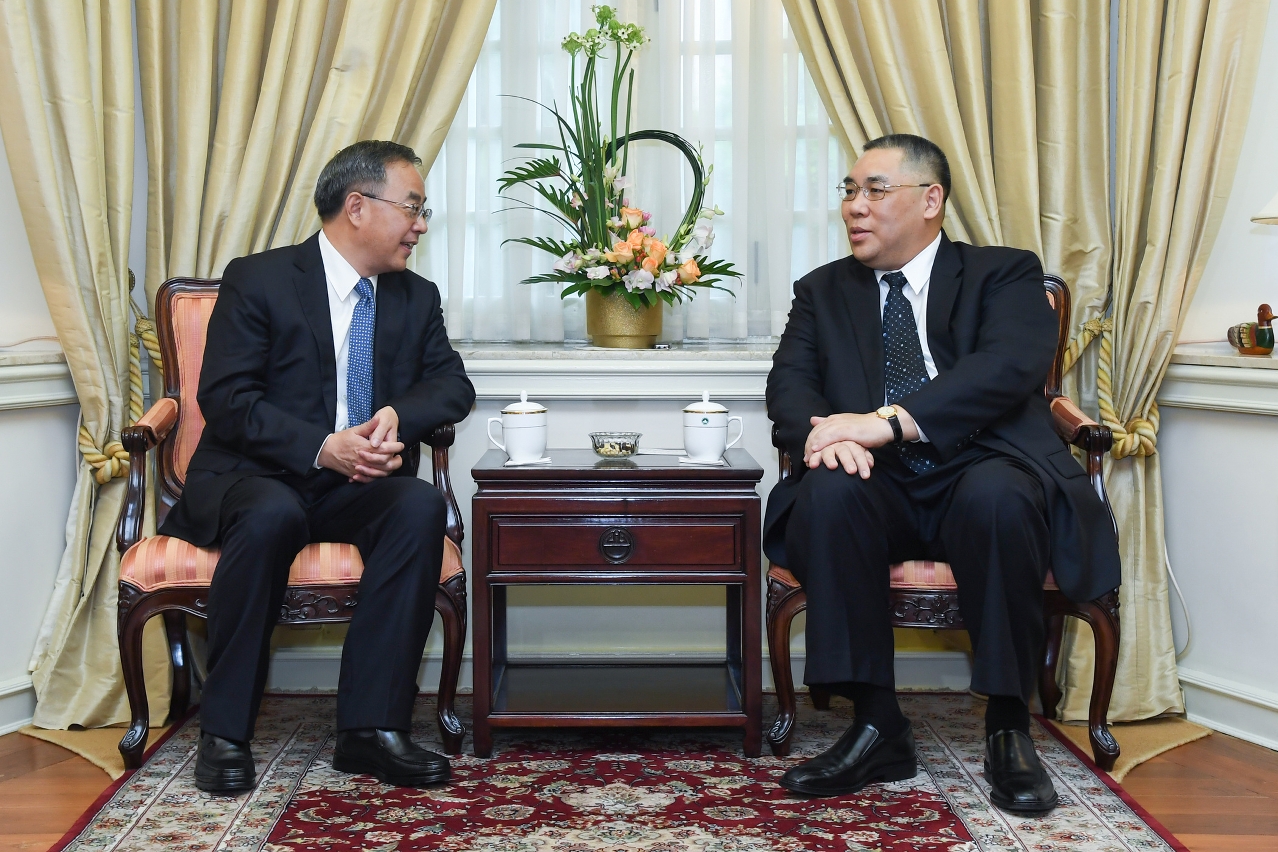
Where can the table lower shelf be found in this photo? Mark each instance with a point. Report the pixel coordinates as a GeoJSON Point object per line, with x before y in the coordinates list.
{"type": "Point", "coordinates": [599, 694]}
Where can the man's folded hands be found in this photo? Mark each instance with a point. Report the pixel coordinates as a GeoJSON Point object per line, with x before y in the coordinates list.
{"type": "Point", "coordinates": [845, 440]}
{"type": "Point", "coordinates": [365, 452]}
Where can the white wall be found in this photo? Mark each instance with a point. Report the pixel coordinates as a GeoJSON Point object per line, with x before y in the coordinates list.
{"type": "Point", "coordinates": [1242, 270]}
{"type": "Point", "coordinates": [23, 312]}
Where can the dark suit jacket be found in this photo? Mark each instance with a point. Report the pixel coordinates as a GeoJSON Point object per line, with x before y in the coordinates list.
{"type": "Point", "coordinates": [993, 337]}
{"type": "Point", "coordinates": [268, 385]}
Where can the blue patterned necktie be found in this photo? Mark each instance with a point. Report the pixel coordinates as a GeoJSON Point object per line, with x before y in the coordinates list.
{"type": "Point", "coordinates": [904, 370]}
{"type": "Point", "coordinates": [359, 357]}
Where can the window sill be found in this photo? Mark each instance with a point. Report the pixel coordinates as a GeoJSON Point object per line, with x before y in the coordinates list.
{"type": "Point", "coordinates": [1214, 377]}
{"type": "Point", "coordinates": [577, 371]}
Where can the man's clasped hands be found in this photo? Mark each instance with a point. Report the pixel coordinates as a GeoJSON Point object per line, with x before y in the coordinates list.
{"type": "Point", "coordinates": [846, 439]}
{"type": "Point", "coordinates": [365, 452]}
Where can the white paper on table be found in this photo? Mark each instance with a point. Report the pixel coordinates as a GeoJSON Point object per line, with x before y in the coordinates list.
{"type": "Point", "coordinates": [692, 461]}
{"type": "Point", "coordinates": [513, 463]}
{"type": "Point", "coordinates": [657, 452]}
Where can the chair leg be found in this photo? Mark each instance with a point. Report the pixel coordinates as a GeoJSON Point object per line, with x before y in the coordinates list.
{"type": "Point", "coordinates": [450, 602]}
{"type": "Point", "coordinates": [1102, 615]}
{"type": "Point", "coordinates": [820, 697]}
{"type": "Point", "coordinates": [180, 654]}
{"type": "Point", "coordinates": [784, 604]}
{"type": "Point", "coordinates": [1049, 692]}
{"type": "Point", "coordinates": [132, 620]}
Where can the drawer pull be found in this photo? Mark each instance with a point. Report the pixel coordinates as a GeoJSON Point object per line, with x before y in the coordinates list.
{"type": "Point", "coordinates": [616, 544]}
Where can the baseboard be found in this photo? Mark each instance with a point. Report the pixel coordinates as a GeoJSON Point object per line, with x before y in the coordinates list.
{"type": "Point", "coordinates": [17, 703]}
{"type": "Point", "coordinates": [308, 669]}
{"type": "Point", "coordinates": [1231, 707]}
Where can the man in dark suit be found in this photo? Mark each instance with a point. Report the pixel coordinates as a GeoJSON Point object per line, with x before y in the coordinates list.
{"type": "Point", "coordinates": [324, 361]}
{"type": "Point", "coordinates": [909, 382]}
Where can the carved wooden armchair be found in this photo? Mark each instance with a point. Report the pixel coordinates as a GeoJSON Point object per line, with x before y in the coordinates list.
{"type": "Point", "coordinates": [924, 594]}
{"type": "Point", "coordinates": [166, 575]}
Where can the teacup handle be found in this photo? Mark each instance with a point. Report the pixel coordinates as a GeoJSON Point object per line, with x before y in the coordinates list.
{"type": "Point", "coordinates": [500, 445]}
{"type": "Point", "coordinates": [740, 423]}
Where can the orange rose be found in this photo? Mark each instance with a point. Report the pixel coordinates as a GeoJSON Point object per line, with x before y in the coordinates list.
{"type": "Point", "coordinates": [655, 249]}
{"type": "Point", "coordinates": [689, 272]}
{"type": "Point", "coordinates": [635, 239]}
{"type": "Point", "coordinates": [632, 217]}
{"type": "Point", "coordinates": [651, 264]}
{"type": "Point", "coordinates": [622, 252]}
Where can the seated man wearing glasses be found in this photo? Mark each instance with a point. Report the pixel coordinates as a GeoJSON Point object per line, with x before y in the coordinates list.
{"type": "Point", "coordinates": [324, 361]}
{"type": "Point", "coordinates": [909, 381]}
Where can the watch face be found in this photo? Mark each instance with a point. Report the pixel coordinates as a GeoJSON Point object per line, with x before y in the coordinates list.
{"type": "Point", "coordinates": [886, 411]}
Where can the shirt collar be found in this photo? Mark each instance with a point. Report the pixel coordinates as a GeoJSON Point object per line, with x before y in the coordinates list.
{"type": "Point", "coordinates": [341, 276]}
{"type": "Point", "coordinates": [919, 270]}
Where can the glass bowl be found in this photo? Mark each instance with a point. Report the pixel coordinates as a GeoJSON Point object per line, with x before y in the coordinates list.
{"type": "Point", "coordinates": [615, 445]}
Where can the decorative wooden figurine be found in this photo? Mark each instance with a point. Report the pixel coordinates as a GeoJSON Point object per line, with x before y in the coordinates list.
{"type": "Point", "coordinates": [1254, 338]}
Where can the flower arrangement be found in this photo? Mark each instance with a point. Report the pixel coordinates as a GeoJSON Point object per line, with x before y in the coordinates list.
{"type": "Point", "coordinates": [613, 248]}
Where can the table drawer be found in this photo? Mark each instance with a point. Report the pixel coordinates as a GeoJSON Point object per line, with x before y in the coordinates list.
{"type": "Point", "coordinates": [530, 544]}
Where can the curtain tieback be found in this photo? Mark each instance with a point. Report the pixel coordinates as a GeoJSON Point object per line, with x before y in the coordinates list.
{"type": "Point", "coordinates": [1139, 437]}
{"type": "Point", "coordinates": [1092, 329]}
{"type": "Point", "coordinates": [107, 462]}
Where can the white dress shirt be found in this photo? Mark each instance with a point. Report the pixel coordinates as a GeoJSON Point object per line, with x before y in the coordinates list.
{"type": "Point", "coordinates": [342, 300]}
{"type": "Point", "coordinates": [918, 275]}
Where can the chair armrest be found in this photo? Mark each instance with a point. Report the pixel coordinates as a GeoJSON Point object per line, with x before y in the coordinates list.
{"type": "Point", "coordinates": [440, 440]}
{"type": "Point", "coordinates": [1093, 438]}
{"type": "Point", "coordinates": [783, 455]}
{"type": "Point", "coordinates": [140, 438]}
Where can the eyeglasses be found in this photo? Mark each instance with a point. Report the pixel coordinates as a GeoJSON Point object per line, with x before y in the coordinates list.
{"type": "Point", "coordinates": [417, 211]}
{"type": "Point", "coordinates": [874, 190]}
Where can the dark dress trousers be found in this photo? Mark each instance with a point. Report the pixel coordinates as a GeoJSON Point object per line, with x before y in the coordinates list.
{"type": "Point", "coordinates": [1006, 503]}
{"type": "Point", "coordinates": [268, 393]}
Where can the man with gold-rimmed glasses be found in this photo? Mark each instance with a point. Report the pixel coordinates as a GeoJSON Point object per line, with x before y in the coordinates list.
{"type": "Point", "coordinates": [324, 362]}
{"type": "Point", "coordinates": [909, 381]}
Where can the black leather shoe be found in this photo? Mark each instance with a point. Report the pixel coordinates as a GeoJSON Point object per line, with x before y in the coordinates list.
{"type": "Point", "coordinates": [861, 756]}
{"type": "Point", "coordinates": [224, 766]}
{"type": "Point", "coordinates": [1018, 782]}
{"type": "Point", "coordinates": [390, 757]}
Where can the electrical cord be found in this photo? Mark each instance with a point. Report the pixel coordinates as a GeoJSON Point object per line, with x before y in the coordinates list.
{"type": "Point", "coordinates": [1189, 630]}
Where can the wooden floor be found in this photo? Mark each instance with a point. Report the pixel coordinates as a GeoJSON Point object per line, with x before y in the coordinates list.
{"type": "Point", "coordinates": [1218, 794]}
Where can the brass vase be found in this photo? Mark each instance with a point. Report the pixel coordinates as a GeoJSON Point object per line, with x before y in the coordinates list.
{"type": "Point", "coordinates": [611, 322]}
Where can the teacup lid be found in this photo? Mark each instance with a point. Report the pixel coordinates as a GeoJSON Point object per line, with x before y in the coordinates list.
{"type": "Point", "coordinates": [524, 406]}
{"type": "Point", "coordinates": [705, 406]}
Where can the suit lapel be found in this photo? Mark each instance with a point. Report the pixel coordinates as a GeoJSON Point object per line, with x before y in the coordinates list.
{"type": "Point", "coordinates": [942, 291]}
{"type": "Point", "coordinates": [392, 302]}
{"type": "Point", "coordinates": [312, 292]}
{"type": "Point", "coordinates": [861, 302]}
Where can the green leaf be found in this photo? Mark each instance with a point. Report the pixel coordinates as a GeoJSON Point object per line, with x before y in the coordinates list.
{"type": "Point", "coordinates": [532, 170]}
{"type": "Point", "coordinates": [546, 244]}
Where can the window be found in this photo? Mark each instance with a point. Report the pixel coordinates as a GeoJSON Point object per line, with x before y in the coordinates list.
{"type": "Point", "coordinates": [725, 75]}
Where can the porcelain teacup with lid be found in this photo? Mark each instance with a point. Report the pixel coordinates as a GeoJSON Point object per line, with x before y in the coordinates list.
{"type": "Point", "coordinates": [705, 430]}
{"type": "Point", "coordinates": [523, 428]}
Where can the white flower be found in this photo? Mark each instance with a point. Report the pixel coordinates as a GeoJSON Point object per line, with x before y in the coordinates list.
{"type": "Point", "coordinates": [665, 282]}
{"type": "Point", "coordinates": [570, 262]}
{"type": "Point", "coordinates": [687, 253]}
{"type": "Point", "coordinates": [596, 272]}
{"type": "Point", "coordinates": [623, 182]}
{"type": "Point", "coordinates": [639, 279]}
{"type": "Point", "coordinates": [703, 234]}
{"type": "Point", "coordinates": [593, 255]}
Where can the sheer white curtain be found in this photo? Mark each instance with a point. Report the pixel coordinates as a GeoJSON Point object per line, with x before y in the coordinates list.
{"type": "Point", "coordinates": [727, 76]}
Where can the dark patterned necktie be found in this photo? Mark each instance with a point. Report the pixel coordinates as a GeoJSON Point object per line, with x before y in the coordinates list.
{"type": "Point", "coordinates": [904, 371]}
{"type": "Point", "coordinates": [359, 357]}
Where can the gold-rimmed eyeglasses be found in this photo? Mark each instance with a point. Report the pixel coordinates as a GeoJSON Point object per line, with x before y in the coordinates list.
{"type": "Point", "coordinates": [873, 190]}
{"type": "Point", "coordinates": [417, 211]}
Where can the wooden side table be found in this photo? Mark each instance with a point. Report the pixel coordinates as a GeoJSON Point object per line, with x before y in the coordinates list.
{"type": "Point", "coordinates": [645, 520]}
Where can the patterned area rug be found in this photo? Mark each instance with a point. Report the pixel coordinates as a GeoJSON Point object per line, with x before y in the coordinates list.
{"type": "Point", "coordinates": [591, 791]}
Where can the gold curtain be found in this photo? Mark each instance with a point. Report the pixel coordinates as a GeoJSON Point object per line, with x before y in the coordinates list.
{"type": "Point", "coordinates": [246, 100]}
{"type": "Point", "coordinates": [1185, 75]}
{"type": "Point", "coordinates": [66, 111]}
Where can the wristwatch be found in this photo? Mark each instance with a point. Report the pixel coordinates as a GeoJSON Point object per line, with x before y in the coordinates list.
{"type": "Point", "coordinates": [888, 413]}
